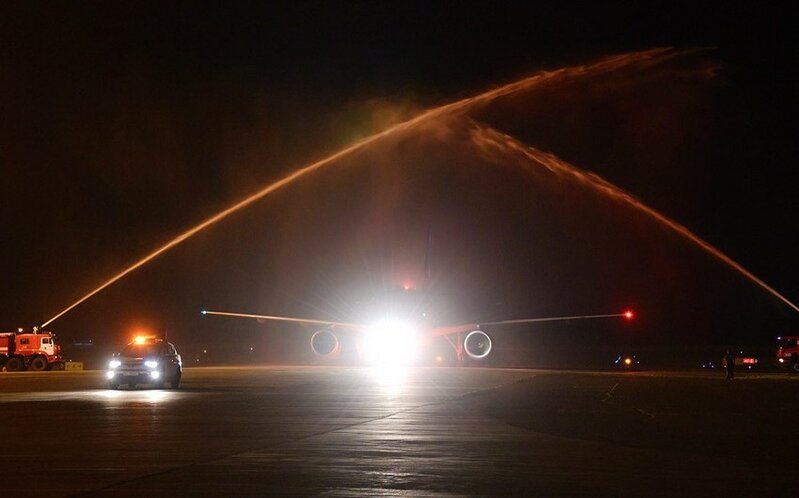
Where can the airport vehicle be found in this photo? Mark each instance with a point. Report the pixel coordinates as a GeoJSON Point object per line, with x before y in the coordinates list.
{"type": "Point", "coordinates": [788, 352]}
{"type": "Point", "coordinates": [395, 342]}
{"type": "Point", "coordinates": [746, 362]}
{"type": "Point", "coordinates": [34, 351]}
{"type": "Point", "coordinates": [743, 362]}
{"type": "Point", "coordinates": [627, 362]}
{"type": "Point", "coordinates": [146, 360]}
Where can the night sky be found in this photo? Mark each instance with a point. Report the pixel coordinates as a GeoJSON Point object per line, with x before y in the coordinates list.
{"type": "Point", "coordinates": [121, 125]}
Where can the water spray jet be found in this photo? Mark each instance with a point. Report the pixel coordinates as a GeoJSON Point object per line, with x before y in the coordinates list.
{"type": "Point", "coordinates": [646, 59]}
{"type": "Point", "coordinates": [488, 139]}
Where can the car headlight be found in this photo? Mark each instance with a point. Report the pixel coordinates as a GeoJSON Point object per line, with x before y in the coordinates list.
{"type": "Point", "coordinates": [151, 364]}
{"type": "Point", "coordinates": [114, 364]}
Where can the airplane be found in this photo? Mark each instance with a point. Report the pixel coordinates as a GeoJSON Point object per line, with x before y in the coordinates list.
{"type": "Point", "coordinates": [394, 342]}
{"type": "Point", "coordinates": [397, 342]}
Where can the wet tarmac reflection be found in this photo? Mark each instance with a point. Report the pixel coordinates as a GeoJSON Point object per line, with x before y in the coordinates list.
{"type": "Point", "coordinates": [104, 396]}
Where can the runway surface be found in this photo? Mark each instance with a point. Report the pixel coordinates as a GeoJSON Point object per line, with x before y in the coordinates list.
{"type": "Point", "coordinates": [300, 431]}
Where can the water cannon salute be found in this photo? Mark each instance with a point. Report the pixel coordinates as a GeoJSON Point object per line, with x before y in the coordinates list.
{"type": "Point", "coordinates": [241, 242]}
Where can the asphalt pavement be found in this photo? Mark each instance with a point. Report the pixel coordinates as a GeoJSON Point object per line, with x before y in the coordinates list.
{"type": "Point", "coordinates": [318, 431]}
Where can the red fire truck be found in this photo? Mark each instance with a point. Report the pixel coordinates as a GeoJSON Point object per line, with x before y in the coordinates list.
{"type": "Point", "coordinates": [29, 351]}
{"type": "Point", "coordinates": [788, 352]}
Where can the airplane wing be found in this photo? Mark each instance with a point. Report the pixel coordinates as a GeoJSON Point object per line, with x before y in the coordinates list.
{"type": "Point", "coordinates": [327, 323]}
{"type": "Point", "coordinates": [468, 327]}
{"type": "Point", "coordinates": [626, 314]}
{"type": "Point", "coordinates": [435, 331]}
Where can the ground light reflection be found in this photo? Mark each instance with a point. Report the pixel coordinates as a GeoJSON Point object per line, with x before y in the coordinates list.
{"type": "Point", "coordinates": [105, 396]}
{"type": "Point", "coordinates": [390, 380]}
{"type": "Point", "coordinates": [150, 396]}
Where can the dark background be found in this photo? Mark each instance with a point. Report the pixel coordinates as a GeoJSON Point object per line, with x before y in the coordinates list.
{"type": "Point", "coordinates": [123, 125]}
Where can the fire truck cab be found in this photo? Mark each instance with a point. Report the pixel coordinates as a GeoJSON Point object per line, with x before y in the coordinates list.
{"type": "Point", "coordinates": [29, 351]}
{"type": "Point", "coordinates": [788, 352]}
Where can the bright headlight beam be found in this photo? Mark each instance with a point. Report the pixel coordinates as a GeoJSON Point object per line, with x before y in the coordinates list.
{"type": "Point", "coordinates": [390, 343]}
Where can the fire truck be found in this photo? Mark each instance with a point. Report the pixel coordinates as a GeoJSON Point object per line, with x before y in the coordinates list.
{"type": "Point", "coordinates": [35, 351]}
{"type": "Point", "coordinates": [788, 352]}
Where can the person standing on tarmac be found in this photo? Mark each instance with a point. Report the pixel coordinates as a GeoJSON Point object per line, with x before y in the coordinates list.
{"type": "Point", "coordinates": [729, 364]}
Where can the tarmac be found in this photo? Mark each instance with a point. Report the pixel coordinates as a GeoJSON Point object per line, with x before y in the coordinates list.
{"type": "Point", "coordinates": [338, 431]}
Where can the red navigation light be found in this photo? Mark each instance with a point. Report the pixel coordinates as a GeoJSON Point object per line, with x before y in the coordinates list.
{"type": "Point", "coordinates": [629, 315]}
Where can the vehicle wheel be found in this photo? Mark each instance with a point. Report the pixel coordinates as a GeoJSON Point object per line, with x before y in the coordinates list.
{"type": "Point", "coordinates": [15, 365]}
{"type": "Point", "coordinates": [175, 382]}
{"type": "Point", "coordinates": [38, 364]}
{"type": "Point", "coordinates": [795, 367]}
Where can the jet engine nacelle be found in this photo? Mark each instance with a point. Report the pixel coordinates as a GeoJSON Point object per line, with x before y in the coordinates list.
{"type": "Point", "coordinates": [477, 344]}
{"type": "Point", "coordinates": [325, 344]}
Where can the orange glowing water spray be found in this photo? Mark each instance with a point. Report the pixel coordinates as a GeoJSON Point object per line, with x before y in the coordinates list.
{"type": "Point", "coordinates": [487, 138]}
{"type": "Point", "coordinates": [649, 57]}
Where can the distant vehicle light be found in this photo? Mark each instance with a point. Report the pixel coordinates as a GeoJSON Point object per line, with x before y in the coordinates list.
{"type": "Point", "coordinates": [628, 361]}
{"type": "Point", "coordinates": [151, 364]}
{"type": "Point", "coordinates": [749, 361]}
{"type": "Point", "coordinates": [110, 374]}
{"type": "Point", "coordinates": [629, 315]}
{"type": "Point", "coordinates": [114, 364]}
{"type": "Point", "coordinates": [139, 339]}
{"type": "Point", "coordinates": [155, 374]}
{"type": "Point", "coordinates": [781, 360]}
